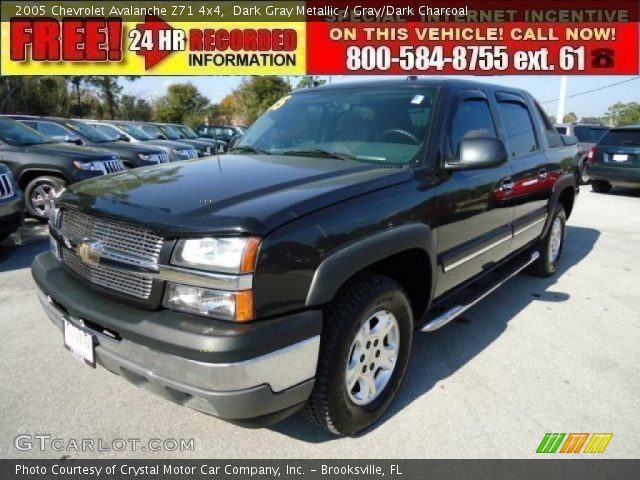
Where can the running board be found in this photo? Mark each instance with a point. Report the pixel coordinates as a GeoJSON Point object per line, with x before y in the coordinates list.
{"type": "Point", "coordinates": [444, 318]}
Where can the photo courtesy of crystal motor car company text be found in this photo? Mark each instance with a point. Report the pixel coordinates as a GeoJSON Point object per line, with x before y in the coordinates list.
{"type": "Point", "coordinates": [319, 231]}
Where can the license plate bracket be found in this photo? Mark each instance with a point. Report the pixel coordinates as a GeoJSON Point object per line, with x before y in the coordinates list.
{"type": "Point", "coordinates": [80, 343]}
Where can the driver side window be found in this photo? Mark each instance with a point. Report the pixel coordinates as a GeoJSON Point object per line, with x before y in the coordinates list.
{"type": "Point", "coordinates": [472, 120]}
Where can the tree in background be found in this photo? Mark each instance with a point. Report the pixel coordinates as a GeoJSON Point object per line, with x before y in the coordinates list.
{"type": "Point", "coordinates": [308, 80]}
{"type": "Point", "coordinates": [256, 94]}
{"type": "Point", "coordinates": [109, 91]}
{"type": "Point", "coordinates": [181, 101]}
{"type": "Point", "coordinates": [623, 113]}
{"type": "Point", "coordinates": [570, 118]}
{"type": "Point", "coordinates": [41, 95]}
{"type": "Point", "coordinates": [135, 108]}
{"type": "Point", "coordinates": [595, 120]}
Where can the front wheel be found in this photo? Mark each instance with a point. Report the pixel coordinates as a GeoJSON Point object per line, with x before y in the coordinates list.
{"type": "Point", "coordinates": [39, 193]}
{"type": "Point", "coordinates": [364, 352]}
{"type": "Point", "coordinates": [551, 246]}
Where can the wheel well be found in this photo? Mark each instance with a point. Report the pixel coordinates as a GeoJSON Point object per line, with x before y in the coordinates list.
{"type": "Point", "coordinates": [28, 176]}
{"type": "Point", "coordinates": [566, 199]}
{"type": "Point", "coordinates": [412, 270]}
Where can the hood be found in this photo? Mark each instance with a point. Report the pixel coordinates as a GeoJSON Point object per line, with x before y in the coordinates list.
{"type": "Point", "coordinates": [74, 151]}
{"type": "Point", "coordinates": [169, 144]}
{"type": "Point", "coordinates": [230, 194]}
{"type": "Point", "coordinates": [119, 146]}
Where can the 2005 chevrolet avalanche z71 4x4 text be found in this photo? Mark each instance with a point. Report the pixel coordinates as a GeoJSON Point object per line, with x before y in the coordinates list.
{"type": "Point", "coordinates": [293, 272]}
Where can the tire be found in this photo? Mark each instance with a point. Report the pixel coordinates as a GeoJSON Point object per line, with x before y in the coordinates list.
{"type": "Point", "coordinates": [38, 193]}
{"type": "Point", "coordinates": [547, 264]}
{"type": "Point", "coordinates": [600, 186]}
{"type": "Point", "coordinates": [368, 300]}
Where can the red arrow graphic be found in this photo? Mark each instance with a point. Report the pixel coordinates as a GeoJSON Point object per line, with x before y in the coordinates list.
{"type": "Point", "coordinates": [154, 55]}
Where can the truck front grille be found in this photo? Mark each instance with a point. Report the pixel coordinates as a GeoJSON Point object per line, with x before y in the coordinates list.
{"type": "Point", "coordinates": [6, 188]}
{"type": "Point", "coordinates": [131, 244]}
{"type": "Point", "coordinates": [125, 283]}
{"type": "Point", "coordinates": [113, 166]}
{"type": "Point", "coordinates": [160, 157]}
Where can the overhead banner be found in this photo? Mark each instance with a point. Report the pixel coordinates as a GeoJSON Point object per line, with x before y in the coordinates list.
{"type": "Point", "coordinates": [496, 37]}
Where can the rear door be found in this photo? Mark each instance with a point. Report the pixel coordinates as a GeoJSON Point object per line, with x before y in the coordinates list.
{"type": "Point", "coordinates": [533, 174]}
{"type": "Point", "coordinates": [475, 213]}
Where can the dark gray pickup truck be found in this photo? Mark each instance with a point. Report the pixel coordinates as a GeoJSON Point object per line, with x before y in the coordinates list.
{"type": "Point", "coordinates": [292, 273]}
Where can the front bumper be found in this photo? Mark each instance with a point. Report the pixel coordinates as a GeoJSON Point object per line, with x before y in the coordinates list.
{"type": "Point", "coordinates": [242, 373]}
{"type": "Point", "coordinates": [11, 215]}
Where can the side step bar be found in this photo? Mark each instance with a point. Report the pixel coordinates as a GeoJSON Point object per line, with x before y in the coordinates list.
{"type": "Point", "coordinates": [444, 318]}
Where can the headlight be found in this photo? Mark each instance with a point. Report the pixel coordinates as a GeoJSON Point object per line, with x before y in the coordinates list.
{"type": "Point", "coordinates": [235, 306]}
{"type": "Point", "coordinates": [144, 157]}
{"type": "Point", "coordinates": [95, 166]}
{"type": "Point", "coordinates": [208, 151]}
{"type": "Point", "coordinates": [221, 254]}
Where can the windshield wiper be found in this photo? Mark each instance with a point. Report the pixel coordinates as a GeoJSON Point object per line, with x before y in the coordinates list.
{"type": "Point", "coordinates": [248, 148]}
{"type": "Point", "coordinates": [319, 152]}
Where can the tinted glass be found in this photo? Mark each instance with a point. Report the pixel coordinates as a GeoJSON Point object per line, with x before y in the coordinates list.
{"type": "Point", "coordinates": [473, 120]}
{"type": "Point", "coordinates": [517, 123]}
{"type": "Point", "coordinates": [383, 125]}
{"type": "Point", "coordinates": [621, 137]}
{"type": "Point", "coordinates": [89, 133]}
{"type": "Point", "coordinates": [553, 136]}
{"type": "Point", "coordinates": [562, 130]}
{"type": "Point", "coordinates": [135, 132]}
{"type": "Point", "coordinates": [171, 133]}
{"type": "Point", "coordinates": [108, 130]}
{"type": "Point", "coordinates": [589, 134]}
{"type": "Point", "coordinates": [152, 130]}
{"type": "Point", "coordinates": [15, 133]}
{"type": "Point", "coordinates": [52, 129]}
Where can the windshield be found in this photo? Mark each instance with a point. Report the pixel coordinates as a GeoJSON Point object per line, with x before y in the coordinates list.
{"type": "Point", "coordinates": [589, 134]}
{"type": "Point", "coordinates": [135, 132]}
{"type": "Point", "coordinates": [152, 130]}
{"type": "Point", "coordinates": [385, 125]}
{"type": "Point", "coordinates": [88, 132]}
{"type": "Point", "coordinates": [17, 134]}
{"type": "Point", "coordinates": [171, 133]}
{"type": "Point", "coordinates": [188, 132]}
{"type": "Point", "coordinates": [108, 130]}
{"type": "Point", "coordinates": [626, 136]}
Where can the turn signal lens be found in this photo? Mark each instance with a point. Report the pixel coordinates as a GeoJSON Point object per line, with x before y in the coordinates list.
{"type": "Point", "coordinates": [592, 153]}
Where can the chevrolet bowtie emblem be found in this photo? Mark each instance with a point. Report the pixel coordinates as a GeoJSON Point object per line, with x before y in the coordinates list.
{"type": "Point", "coordinates": [89, 251]}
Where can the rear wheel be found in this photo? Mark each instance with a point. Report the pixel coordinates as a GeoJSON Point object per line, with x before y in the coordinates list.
{"type": "Point", "coordinates": [600, 186]}
{"type": "Point", "coordinates": [364, 352]}
{"type": "Point", "coordinates": [39, 193]}
{"type": "Point", "coordinates": [551, 246]}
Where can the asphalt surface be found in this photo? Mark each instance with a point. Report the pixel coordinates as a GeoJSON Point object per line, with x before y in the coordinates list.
{"type": "Point", "coordinates": [538, 355]}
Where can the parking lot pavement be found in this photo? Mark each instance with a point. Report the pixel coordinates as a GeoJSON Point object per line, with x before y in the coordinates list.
{"type": "Point", "coordinates": [539, 355]}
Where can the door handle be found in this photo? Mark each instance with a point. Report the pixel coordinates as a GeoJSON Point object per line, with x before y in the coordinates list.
{"type": "Point", "coordinates": [543, 174]}
{"type": "Point", "coordinates": [507, 185]}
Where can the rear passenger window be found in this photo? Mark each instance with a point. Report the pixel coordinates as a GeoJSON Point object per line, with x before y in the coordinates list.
{"type": "Point", "coordinates": [473, 120]}
{"type": "Point", "coordinates": [517, 123]}
{"type": "Point", "coordinates": [552, 134]}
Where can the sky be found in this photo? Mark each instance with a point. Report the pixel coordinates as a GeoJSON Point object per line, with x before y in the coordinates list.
{"type": "Point", "coordinates": [544, 88]}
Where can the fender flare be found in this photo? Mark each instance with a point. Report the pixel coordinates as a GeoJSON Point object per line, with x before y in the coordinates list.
{"type": "Point", "coordinates": [43, 171]}
{"type": "Point", "coordinates": [348, 260]}
{"type": "Point", "coordinates": [564, 182]}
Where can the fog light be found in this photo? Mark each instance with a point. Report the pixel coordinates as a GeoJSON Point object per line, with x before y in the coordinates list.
{"type": "Point", "coordinates": [234, 306]}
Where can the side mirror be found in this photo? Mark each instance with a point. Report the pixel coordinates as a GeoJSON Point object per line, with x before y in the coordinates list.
{"type": "Point", "coordinates": [73, 139]}
{"type": "Point", "coordinates": [234, 140]}
{"type": "Point", "coordinates": [478, 153]}
{"type": "Point", "coordinates": [124, 138]}
{"type": "Point", "coordinates": [569, 140]}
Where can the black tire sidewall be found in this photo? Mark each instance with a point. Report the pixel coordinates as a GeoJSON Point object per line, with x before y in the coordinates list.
{"type": "Point", "coordinates": [57, 183]}
{"type": "Point", "coordinates": [551, 266]}
{"type": "Point", "coordinates": [349, 416]}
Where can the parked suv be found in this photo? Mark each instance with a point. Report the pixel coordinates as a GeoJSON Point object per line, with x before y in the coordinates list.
{"type": "Point", "coordinates": [220, 132]}
{"type": "Point", "coordinates": [187, 132]}
{"type": "Point", "coordinates": [11, 204]}
{"type": "Point", "coordinates": [293, 272]}
{"type": "Point", "coordinates": [615, 160]}
{"type": "Point", "coordinates": [79, 133]}
{"type": "Point", "coordinates": [42, 167]}
{"type": "Point", "coordinates": [164, 131]}
{"type": "Point", "coordinates": [588, 135]}
{"type": "Point", "coordinates": [127, 132]}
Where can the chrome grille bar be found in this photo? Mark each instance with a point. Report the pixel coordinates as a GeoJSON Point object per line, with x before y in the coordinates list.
{"type": "Point", "coordinates": [6, 188]}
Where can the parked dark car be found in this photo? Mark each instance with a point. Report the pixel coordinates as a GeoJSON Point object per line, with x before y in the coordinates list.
{"type": "Point", "coordinates": [615, 160]}
{"type": "Point", "coordinates": [42, 167]}
{"type": "Point", "coordinates": [293, 272]}
{"type": "Point", "coordinates": [80, 133]}
{"type": "Point", "coordinates": [188, 133]}
{"type": "Point", "coordinates": [11, 204]}
{"type": "Point", "coordinates": [220, 132]}
{"type": "Point", "coordinates": [588, 134]}
{"type": "Point", "coordinates": [164, 131]}
{"type": "Point", "coordinates": [128, 132]}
